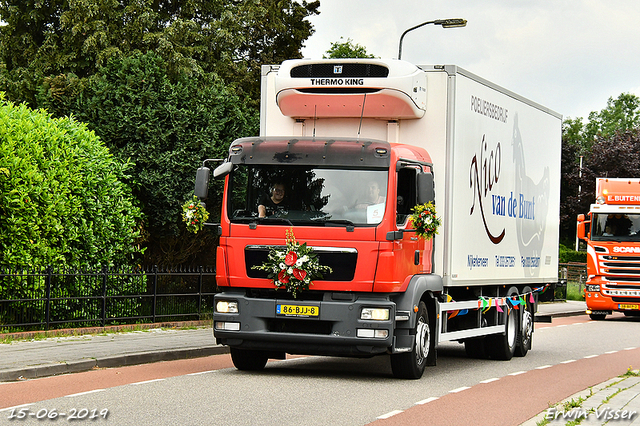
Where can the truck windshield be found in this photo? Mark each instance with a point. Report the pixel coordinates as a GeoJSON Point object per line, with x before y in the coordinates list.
{"type": "Point", "coordinates": [307, 195]}
{"type": "Point", "coordinates": [616, 226]}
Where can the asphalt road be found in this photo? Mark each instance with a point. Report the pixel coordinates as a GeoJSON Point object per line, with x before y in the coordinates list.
{"type": "Point", "coordinates": [568, 355]}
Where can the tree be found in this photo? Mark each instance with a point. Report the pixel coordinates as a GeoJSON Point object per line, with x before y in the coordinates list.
{"type": "Point", "coordinates": [62, 196]}
{"type": "Point", "coordinates": [620, 114]}
{"type": "Point", "coordinates": [346, 49]}
{"type": "Point", "coordinates": [233, 39]}
{"type": "Point", "coordinates": [167, 129]}
{"type": "Point", "coordinates": [606, 144]}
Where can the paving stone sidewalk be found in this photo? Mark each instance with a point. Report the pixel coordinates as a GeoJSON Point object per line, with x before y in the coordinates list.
{"type": "Point", "coordinates": [614, 402]}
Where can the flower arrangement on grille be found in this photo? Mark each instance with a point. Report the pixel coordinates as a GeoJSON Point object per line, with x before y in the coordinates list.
{"type": "Point", "coordinates": [425, 221]}
{"type": "Point", "coordinates": [194, 214]}
{"type": "Point", "coordinates": [294, 267]}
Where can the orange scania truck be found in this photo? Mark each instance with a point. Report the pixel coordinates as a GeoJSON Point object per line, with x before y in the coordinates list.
{"type": "Point", "coordinates": [347, 149]}
{"type": "Point", "coordinates": [612, 234]}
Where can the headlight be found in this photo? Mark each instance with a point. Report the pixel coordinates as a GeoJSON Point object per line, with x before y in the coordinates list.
{"type": "Point", "coordinates": [593, 287]}
{"type": "Point", "coordinates": [227, 307]}
{"type": "Point", "coordinates": [376, 314]}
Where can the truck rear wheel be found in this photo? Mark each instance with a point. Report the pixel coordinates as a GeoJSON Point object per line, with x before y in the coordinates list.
{"type": "Point", "coordinates": [410, 365]}
{"type": "Point", "coordinates": [475, 348]}
{"type": "Point", "coordinates": [525, 332]}
{"type": "Point", "coordinates": [248, 360]}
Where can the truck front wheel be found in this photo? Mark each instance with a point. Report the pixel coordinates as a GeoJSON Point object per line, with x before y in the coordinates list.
{"type": "Point", "coordinates": [410, 365]}
{"type": "Point", "coordinates": [248, 360]}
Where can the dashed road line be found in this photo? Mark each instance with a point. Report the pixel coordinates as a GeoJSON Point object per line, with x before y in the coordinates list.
{"type": "Point", "coordinates": [202, 372]}
{"type": "Point", "coordinates": [542, 367]}
{"type": "Point", "coordinates": [84, 393]}
{"type": "Point", "coordinates": [15, 407]}
{"type": "Point", "coordinates": [425, 401]}
{"type": "Point", "coordinates": [459, 389]}
{"type": "Point", "coordinates": [490, 380]}
{"type": "Point", "coordinates": [517, 373]}
{"type": "Point", "coordinates": [389, 414]}
{"type": "Point", "coordinates": [569, 361]}
{"type": "Point", "coordinates": [146, 381]}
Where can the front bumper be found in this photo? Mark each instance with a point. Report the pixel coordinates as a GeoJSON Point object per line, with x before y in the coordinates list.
{"type": "Point", "coordinates": [334, 329]}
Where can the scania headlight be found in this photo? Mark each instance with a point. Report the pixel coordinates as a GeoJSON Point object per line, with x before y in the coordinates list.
{"type": "Point", "coordinates": [593, 287]}
{"type": "Point", "coordinates": [227, 307]}
{"type": "Point", "coordinates": [376, 314]}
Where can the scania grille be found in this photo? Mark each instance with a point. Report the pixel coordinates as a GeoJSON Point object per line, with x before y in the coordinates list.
{"type": "Point", "coordinates": [620, 265]}
{"type": "Point", "coordinates": [342, 261]}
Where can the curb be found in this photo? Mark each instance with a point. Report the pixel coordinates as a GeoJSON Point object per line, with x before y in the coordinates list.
{"type": "Point", "coordinates": [106, 329]}
{"type": "Point", "coordinates": [109, 362]}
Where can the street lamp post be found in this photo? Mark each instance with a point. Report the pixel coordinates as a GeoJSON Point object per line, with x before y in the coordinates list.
{"type": "Point", "coordinates": [445, 23]}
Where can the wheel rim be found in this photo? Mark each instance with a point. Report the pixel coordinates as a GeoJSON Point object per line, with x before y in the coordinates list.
{"type": "Point", "coordinates": [511, 329]}
{"type": "Point", "coordinates": [423, 340]}
{"type": "Point", "coordinates": [527, 326]}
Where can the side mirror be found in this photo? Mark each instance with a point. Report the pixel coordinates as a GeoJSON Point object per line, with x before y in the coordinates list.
{"type": "Point", "coordinates": [582, 227]}
{"type": "Point", "coordinates": [426, 188]}
{"type": "Point", "coordinates": [202, 183]}
{"type": "Point", "coordinates": [222, 170]}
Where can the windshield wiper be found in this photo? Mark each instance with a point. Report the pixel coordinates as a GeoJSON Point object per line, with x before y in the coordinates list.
{"type": "Point", "coordinates": [338, 222]}
{"type": "Point", "coordinates": [274, 220]}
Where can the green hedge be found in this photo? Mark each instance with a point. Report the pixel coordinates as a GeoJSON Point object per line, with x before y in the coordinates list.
{"type": "Point", "coordinates": [569, 255]}
{"type": "Point", "coordinates": [62, 196]}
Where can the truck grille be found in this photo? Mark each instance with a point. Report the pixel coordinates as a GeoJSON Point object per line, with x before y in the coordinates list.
{"type": "Point", "coordinates": [341, 260]}
{"type": "Point", "coordinates": [620, 265]}
{"type": "Point", "coordinates": [348, 70]}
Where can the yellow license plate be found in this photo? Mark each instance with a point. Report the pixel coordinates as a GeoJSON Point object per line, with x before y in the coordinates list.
{"type": "Point", "coordinates": [298, 310]}
{"type": "Point", "coordinates": [634, 307]}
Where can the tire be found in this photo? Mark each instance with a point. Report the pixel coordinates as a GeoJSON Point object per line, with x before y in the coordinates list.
{"type": "Point", "coordinates": [503, 346]}
{"type": "Point", "coordinates": [525, 331]}
{"type": "Point", "coordinates": [597, 317]}
{"type": "Point", "coordinates": [410, 365]}
{"type": "Point", "coordinates": [475, 348]}
{"type": "Point", "coordinates": [248, 360]}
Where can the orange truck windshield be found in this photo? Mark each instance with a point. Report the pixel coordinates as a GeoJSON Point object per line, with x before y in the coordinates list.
{"type": "Point", "coordinates": [615, 226]}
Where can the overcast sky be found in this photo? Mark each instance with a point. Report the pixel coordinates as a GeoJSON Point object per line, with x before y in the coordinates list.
{"type": "Point", "coordinates": [568, 55]}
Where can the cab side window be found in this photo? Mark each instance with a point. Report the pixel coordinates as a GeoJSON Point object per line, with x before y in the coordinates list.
{"type": "Point", "coordinates": [407, 194]}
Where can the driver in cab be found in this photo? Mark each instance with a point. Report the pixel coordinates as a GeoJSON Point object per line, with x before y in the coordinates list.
{"type": "Point", "coordinates": [273, 202]}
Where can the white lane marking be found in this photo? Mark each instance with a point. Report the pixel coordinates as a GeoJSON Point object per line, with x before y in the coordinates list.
{"type": "Point", "coordinates": [146, 381]}
{"type": "Point", "coordinates": [14, 407]}
{"type": "Point", "coordinates": [490, 380]}
{"type": "Point", "coordinates": [611, 352]}
{"type": "Point", "coordinates": [542, 367]}
{"type": "Point", "coordinates": [389, 414]}
{"type": "Point", "coordinates": [84, 393]}
{"type": "Point", "coordinates": [568, 361]}
{"type": "Point", "coordinates": [459, 389]}
{"type": "Point", "coordinates": [202, 372]}
{"type": "Point", "coordinates": [591, 356]}
{"type": "Point", "coordinates": [425, 401]}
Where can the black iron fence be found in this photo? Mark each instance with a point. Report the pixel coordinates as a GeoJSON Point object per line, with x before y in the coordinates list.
{"type": "Point", "coordinates": [569, 274]}
{"type": "Point", "coordinates": [51, 298]}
